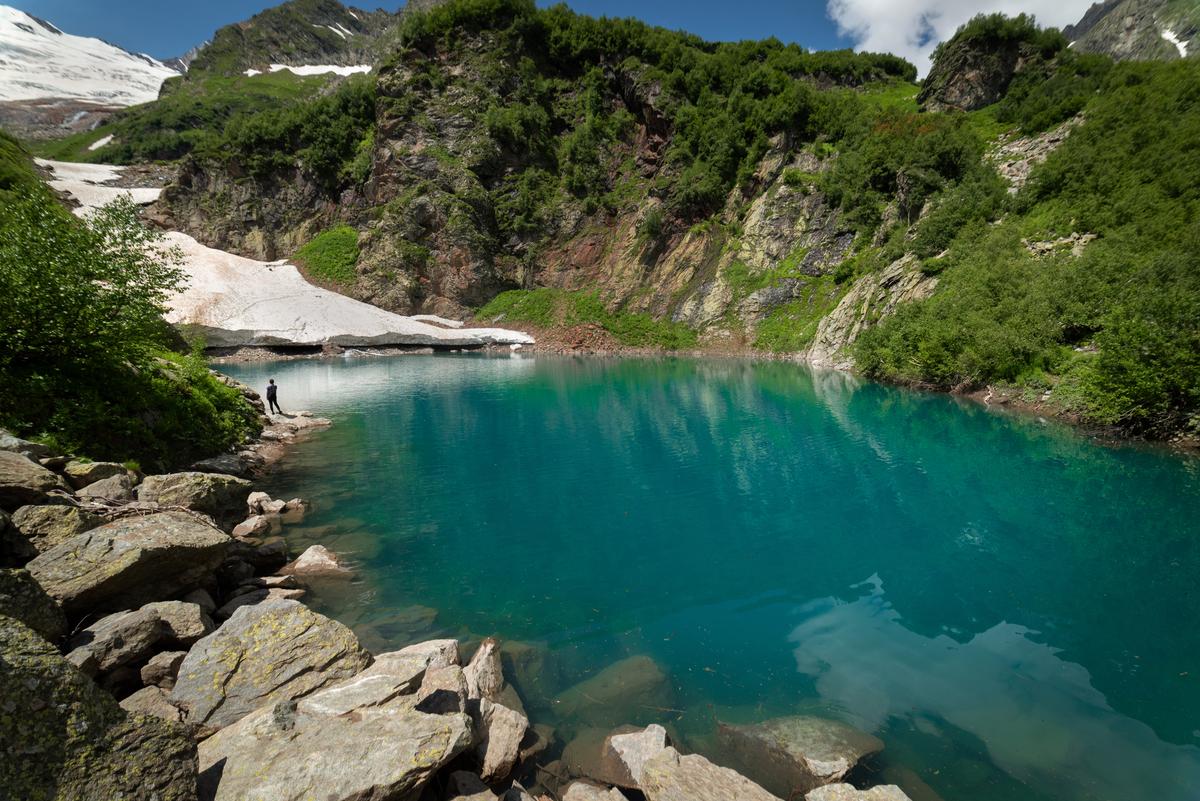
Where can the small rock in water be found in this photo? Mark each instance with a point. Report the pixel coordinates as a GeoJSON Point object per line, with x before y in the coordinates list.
{"type": "Point", "coordinates": [317, 561]}
{"type": "Point", "coordinates": [624, 692]}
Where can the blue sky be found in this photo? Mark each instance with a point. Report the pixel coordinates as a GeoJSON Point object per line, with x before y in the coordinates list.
{"type": "Point", "coordinates": [166, 29]}
{"type": "Point", "coordinates": [909, 28]}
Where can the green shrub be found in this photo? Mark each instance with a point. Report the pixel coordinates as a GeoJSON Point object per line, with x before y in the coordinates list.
{"type": "Point", "coordinates": [547, 307]}
{"type": "Point", "coordinates": [331, 255]}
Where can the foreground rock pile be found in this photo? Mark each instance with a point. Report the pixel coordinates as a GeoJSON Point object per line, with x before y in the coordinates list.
{"type": "Point", "coordinates": [154, 646]}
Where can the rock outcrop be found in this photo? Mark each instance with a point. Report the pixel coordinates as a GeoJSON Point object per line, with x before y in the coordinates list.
{"type": "Point", "coordinates": [274, 651]}
{"type": "Point", "coordinates": [221, 497]}
{"type": "Point", "coordinates": [24, 481]}
{"type": "Point", "coordinates": [1137, 29]}
{"type": "Point", "coordinates": [47, 526]}
{"type": "Point", "coordinates": [130, 561]}
{"type": "Point", "coordinates": [670, 776]}
{"type": "Point", "coordinates": [23, 599]}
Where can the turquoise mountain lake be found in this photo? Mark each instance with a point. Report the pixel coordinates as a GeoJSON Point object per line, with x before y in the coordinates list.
{"type": "Point", "coordinates": [1009, 606]}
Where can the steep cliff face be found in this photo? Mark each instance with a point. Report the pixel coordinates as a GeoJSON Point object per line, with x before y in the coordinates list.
{"type": "Point", "coordinates": [1139, 29]}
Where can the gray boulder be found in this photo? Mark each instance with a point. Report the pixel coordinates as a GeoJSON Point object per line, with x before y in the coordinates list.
{"type": "Point", "coordinates": [115, 640]}
{"type": "Point", "coordinates": [131, 561]}
{"type": "Point", "coordinates": [670, 776]}
{"type": "Point", "coordinates": [375, 746]}
{"type": "Point", "coordinates": [184, 623]}
{"type": "Point", "coordinates": [465, 786]}
{"type": "Point", "coordinates": [847, 792]}
{"type": "Point", "coordinates": [248, 596]}
{"type": "Point", "coordinates": [317, 561]}
{"type": "Point", "coordinates": [623, 692]}
{"type": "Point", "coordinates": [217, 495]}
{"type": "Point", "coordinates": [80, 474]}
{"type": "Point", "coordinates": [443, 690]}
{"type": "Point", "coordinates": [227, 463]}
{"type": "Point", "coordinates": [587, 791]}
{"type": "Point", "coordinates": [500, 731]}
{"type": "Point", "coordinates": [795, 754]}
{"type": "Point", "coordinates": [161, 669]}
{"type": "Point", "coordinates": [24, 481]}
{"type": "Point", "coordinates": [23, 599]}
{"type": "Point", "coordinates": [32, 450]}
{"type": "Point", "coordinates": [61, 731]}
{"type": "Point", "coordinates": [273, 651]}
{"type": "Point", "coordinates": [48, 526]}
{"type": "Point", "coordinates": [152, 701]}
{"type": "Point", "coordinates": [625, 753]}
{"type": "Point", "coordinates": [118, 489]}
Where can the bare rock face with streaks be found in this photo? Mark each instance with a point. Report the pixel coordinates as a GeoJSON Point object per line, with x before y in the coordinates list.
{"type": "Point", "coordinates": [274, 651]}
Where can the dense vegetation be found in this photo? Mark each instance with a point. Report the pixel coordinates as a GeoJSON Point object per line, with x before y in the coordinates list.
{"type": "Point", "coordinates": [84, 357]}
{"type": "Point", "coordinates": [331, 255]}
{"type": "Point", "coordinates": [1115, 331]}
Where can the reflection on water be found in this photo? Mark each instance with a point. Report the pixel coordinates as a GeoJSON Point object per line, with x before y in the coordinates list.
{"type": "Point", "coordinates": [1038, 714]}
{"type": "Point", "coordinates": [1036, 639]}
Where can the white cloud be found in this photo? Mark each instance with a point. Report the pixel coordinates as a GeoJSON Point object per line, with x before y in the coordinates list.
{"type": "Point", "coordinates": [912, 28]}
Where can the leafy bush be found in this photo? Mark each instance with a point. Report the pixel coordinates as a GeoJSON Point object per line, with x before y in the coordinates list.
{"type": "Point", "coordinates": [547, 307]}
{"type": "Point", "coordinates": [82, 340]}
{"type": "Point", "coordinates": [331, 255]}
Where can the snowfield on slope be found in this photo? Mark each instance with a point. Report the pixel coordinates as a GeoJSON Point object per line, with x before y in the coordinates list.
{"type": "Point", "coordinates": [234, 301]}
{"type": "Point", "coordinates": [313, 69]}
{"type": "Point", "coordinates": [38, 60]}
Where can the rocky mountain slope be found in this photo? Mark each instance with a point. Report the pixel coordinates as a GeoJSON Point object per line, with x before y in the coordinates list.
{"type": "Point", "coordinates": [51, 81]}
{"type": "Point", "coordinates": [1139, 29]}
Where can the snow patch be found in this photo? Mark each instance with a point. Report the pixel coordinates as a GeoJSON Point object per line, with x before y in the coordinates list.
{"type": "Point", "coordinates": [101, 142]}
{"type": "Point", "coordinates": [321, 69]}
{"type": "Point", "coordinates": [39, 61]}
{"type": "Point", "coordinates": [1180, 45]}
{"type": "Point", "coordinates": [251, 73]}
{"type": "Point", "coordinates": [238, 301]}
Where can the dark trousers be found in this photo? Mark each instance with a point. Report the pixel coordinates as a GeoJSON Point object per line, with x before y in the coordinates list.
{"type": "Point", "coordinates": [274, 405]}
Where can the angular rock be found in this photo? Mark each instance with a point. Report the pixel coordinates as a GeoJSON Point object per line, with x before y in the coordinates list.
{"type": "Point", "coordinates": [130, 561]}
{"type": "Point", "coordinates": [116, 640]}
{"type": "Point", "coordinates": [443, 690]}
{"type": "Point", "coordinates": [587, 791]}
{"type": "Point", "coordinates": [793, 755]}
{"type": "Point", "coordinates": [255, 501]}
{"type": "Point", "coordinates": [24, 481]}
{"type": "Point", "coordinates": [23, 599]}
{"type": "Point", "coordinates": [227, 463]}
{"type": "Point", "coordinates": [294, 751]}
{"type": "Point", "coordinates": [118, 489]}
{"type": "Point", "coordinates": [152, 701]}
{"type": "Point", "coordinates": [48, 526]}
{"type": "Point", "coordinates": [80, 474]}
{"type": "Point", "coordinates": [500, 732]}
{"type": "Point", "coordinates": [257, 596]}
{"type": "Point", "coordinates": [256, 526]}
{"type": "Point", "coordinates": [184, 623]}
{"type": "Point", "coordinates": [61, 731]}
{"type": "Point", "coordinates": [202, 599]}
{"type": "Point", "coordinates": [485, 673]}
{"type": "Point", "coordinates": [619, 694]}
{"type": "Point", "coordinates": [217, 495]}
{"type": "Point", "coordinates": [270, 582]}
{"type": "Point", "coordinates": [273, 651]}
{"type": "Point", "coordinates": [672, 777]}
{"type": "Point", "coordinates": [162, 668]}
{"type": "Point", "coordinates": [32, 450]}
{"type": "Point", "coordinates": [624, 754]}
{"type": "Point", "coordinates": [847, 792]}
{"type": "Point", "coordinates": [464, 786]}
{"type": "Point", "coordinates": [518, 793]}
{"type": "Point", "coordinates": [317, 561]}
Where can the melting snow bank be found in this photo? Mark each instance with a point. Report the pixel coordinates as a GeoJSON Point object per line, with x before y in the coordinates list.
{"type": "Point", "coordinates": [1180, 45]}
{"type": "Point", "coordinates": [314, 69]}
{"type": "Point", "coordinates": [233, 301]}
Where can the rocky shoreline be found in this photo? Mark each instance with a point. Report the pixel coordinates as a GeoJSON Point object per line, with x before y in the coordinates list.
{"type": "Point", "coordinates": [156, 647]}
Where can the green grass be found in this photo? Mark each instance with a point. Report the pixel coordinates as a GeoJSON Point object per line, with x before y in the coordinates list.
{"type": "Point", "coordinates": [792, 326]}
{"type": "Point", "coordinates": [190, 113]}
{"type": "Point", "coordinates": [547, 307]}
{"type": "Point", "coordinates": [331, 255]}
{"type": "Point", "coordinates": [897, 95]}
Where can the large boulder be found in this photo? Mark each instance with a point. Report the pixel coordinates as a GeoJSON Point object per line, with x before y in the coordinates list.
{"type": "Point", "coordinates": [152, 701]}
{"type": "Point", "coordinates": [670, 776]}
{"type": "Point", "coordinates": [273, 651]}
{"type": "Point", "coordinates": [24, 599]}
{"type": "Point", "coordinates": [624, 692]}
{"type": "Point", "coordinates": [847, 792]}
{"type": "Point", "coordinates": [117, 489]}
{"type": "Point", "coordinates": [131, 561]}
{"type": "Point", "coordinates": [625, 753]}
{"type": "Point", "coordinates": [24, 481]}
{"type": "Point", "coordinates": [587, 791]}
{"type": "Point", "coordinates": [335, 745]}
{"type": "Point", "coordinates": [115, 640]}
{"type": "Point", "coordinates": [795, 754]}
{"type": "Point", "coordinates": [220, 496]}
{"type": "Point", "coordinates": [32, 450]}
{"type": "Point", "coordinates": [500, 731]}
{"type": "Point", "coordinates": [47, 526]}
{"type": "Point", "coordinates": [79, 474]}
{"type": "Point", "coordinates": [62, 737]}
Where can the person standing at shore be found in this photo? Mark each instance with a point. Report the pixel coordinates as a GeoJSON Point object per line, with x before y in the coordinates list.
{"type": "Point", "coordinates": [273, 396]}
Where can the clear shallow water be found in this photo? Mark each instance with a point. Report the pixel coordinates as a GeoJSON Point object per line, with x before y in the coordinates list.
{"type": "Point", "coordinates": [1010, 607]}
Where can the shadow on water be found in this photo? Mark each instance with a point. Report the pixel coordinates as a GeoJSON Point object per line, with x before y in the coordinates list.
{"type": "Point", "coordinates": [1007, 604]}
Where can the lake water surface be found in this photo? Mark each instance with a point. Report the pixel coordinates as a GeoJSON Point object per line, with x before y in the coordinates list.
{"type": "Point", "coordinates": [1012, 608]}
